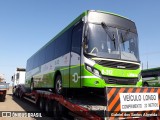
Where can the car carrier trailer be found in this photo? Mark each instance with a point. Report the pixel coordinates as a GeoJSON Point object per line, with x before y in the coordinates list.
{"type": "Point", "coordinates": [118, 103]}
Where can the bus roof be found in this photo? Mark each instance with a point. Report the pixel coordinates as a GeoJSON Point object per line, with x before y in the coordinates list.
{"type": "Point", "coordinates": [152, 69]}
{"type": "Point", "coordinates": [85, 13]}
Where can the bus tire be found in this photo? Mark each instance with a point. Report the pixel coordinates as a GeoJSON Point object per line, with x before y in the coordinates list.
{"type": "Point", "coordinates": [145, 84]}
{"type": "Point", "coordinates": [58, 85]}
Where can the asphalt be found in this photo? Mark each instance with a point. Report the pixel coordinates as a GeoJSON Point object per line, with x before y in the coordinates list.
{"type": "Point", "coordinates": [14, 108]}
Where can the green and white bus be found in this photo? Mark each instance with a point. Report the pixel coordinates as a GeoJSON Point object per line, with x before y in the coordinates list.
{"type": "Point", "coordinates": [151, 77]}
{"type": "Point", "coordinates": [96, 50]}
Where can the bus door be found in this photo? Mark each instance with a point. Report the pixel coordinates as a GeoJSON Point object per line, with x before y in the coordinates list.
{"type": "Point", "coordinates": [75, 63]}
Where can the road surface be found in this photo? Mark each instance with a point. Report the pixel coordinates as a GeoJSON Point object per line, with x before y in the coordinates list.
{"type": "Point", "coordinates": [16, 107]}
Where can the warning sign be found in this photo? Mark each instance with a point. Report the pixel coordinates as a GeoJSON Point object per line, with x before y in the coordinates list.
{"type": "Point", "coordinates": [139, 101]}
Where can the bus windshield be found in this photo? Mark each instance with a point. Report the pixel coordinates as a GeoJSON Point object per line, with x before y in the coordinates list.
{"type": "Point", "coordinates": [111, 42]}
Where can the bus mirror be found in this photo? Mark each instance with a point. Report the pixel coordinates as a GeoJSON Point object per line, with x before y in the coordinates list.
{"type": "Point", "coordinates": [85, 43]}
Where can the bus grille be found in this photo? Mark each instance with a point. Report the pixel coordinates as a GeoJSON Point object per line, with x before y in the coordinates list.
{"type": "Point", "coordinates": [122, 81]}
{"type": "Point", "coordinates": [117, 64]}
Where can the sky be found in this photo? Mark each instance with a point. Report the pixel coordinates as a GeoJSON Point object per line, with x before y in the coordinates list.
{"type": "Point", "coordinates": [26, 25]}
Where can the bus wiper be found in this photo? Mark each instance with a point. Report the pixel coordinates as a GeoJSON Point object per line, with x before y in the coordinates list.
{"type": "Point", "coordinates": [108, 33]}
{"type": "Point", "coordinates": [90, 55]}
{"type": "Point", "coordinates": [123, 37]}
{"type": "Point", "coordinates": [123, 41]}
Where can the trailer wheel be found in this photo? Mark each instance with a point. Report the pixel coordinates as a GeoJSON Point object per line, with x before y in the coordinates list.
{"type": "Point", "coordinates": [48, 107]}
{"type": "Point", "coordinates": [58, 85]}
{"type": "Point", "coordinates": [58, 111]}
{"type": "Point", "coordinates": [42, 104]}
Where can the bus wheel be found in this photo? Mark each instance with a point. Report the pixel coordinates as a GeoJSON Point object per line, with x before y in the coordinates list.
{"type": "Point", "coordinates": [145, 84]}
{"type": "Point", "coordinates": [58, 85]}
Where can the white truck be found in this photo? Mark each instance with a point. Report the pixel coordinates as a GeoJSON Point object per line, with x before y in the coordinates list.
{"type": "Point", "coordinates": [18, 78]}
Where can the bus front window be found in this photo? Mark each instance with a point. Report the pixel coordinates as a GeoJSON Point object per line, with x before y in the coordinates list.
{"type": "Point", "coordinates": [128, 45]}
{"type": "Point", "coordinates": [110, 42]}
{"type": "Point", "coordinates": [100, 43]}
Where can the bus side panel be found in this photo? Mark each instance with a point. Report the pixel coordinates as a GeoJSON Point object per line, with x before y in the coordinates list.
{"type": "Point", "coordinates": [75, 63]}
{"type": "Point", "coordinates": [64, 70]}
{"type": "Point", "coordinates": [75, 75]}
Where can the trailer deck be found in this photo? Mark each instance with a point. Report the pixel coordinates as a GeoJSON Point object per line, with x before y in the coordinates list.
{"type": "Point", "coordinates": [118, 103]}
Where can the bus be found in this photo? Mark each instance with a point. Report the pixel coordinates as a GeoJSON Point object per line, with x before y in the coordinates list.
{"type": "Point", "coordinates": [151, 77]}
{"type": "Point", "coordinates": [98, 49]}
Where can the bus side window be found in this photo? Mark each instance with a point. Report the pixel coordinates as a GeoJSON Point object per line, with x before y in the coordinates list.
{"type": "Point", "coordinates": [77, 38]}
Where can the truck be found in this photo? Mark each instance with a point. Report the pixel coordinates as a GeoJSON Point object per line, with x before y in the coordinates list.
{"type": "Point", "coordinates": [90, 70]}
{"type": "Point", "coordinates": [18, 78]}
{"type": "Point", "coordinates": [3, 88]}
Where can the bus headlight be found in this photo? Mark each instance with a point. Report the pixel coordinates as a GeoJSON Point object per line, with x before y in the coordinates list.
{"type": "Point", "coordinates": [89, 68]}
{"type": "Point", "coordinates": [96, 72]}
{"type": "Point", "coordinates": [93, 70]}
